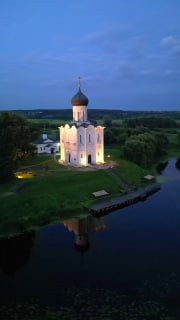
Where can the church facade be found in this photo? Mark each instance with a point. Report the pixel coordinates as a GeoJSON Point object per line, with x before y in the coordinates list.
{"type": "Point", "coordinates": [81, 141]}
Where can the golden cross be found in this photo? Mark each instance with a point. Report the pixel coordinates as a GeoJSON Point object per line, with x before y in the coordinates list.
{"type": "Point", "coordinates": [79, 82]}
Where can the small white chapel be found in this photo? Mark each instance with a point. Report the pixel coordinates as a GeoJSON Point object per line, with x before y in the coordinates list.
{"type": "Point", "coordinates": [81, 141]}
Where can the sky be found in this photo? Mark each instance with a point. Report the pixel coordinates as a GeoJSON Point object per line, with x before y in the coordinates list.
{"type": "Point", "coordinates": [126, 52]}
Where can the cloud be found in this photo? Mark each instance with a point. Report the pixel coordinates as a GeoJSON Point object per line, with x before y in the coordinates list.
{"type": "Point", "coordinates": [44, 58]}
{"type": "Point", "coordinates": [110, 39]}
{"type": "Point", "coordinates": [170, 41]}
{"type": "Point", "coordinates": [96, 36]}
{"type": "Point", "coordinates": [128, 70]}
{"type": "Point", "coordinates": [112, 32]}
{"type": "Point", "coordinates": [172, 72]}
{"type": "Point", "coordinates": [138, 69]}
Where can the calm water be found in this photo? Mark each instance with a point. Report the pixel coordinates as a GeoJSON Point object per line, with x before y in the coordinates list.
{"type": "Point", "coordinates": [122, 251]}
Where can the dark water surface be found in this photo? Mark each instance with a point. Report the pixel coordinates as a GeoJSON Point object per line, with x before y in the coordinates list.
{"type": "Point", "coordinates": [122, 251]}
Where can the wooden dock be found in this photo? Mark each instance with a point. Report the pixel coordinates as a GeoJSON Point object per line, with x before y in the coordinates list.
{"type": "Point", "coordinates": [104, 207]}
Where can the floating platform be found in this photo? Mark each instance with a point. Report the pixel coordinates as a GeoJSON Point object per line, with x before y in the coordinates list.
{"type": "Point", "coordinates": [103, 208]}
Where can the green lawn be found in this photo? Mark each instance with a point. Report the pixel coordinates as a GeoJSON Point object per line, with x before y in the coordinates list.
{"type": "Point", "coordinates": [57, 192]}
{"type": "Point", "coordinates": [128, 172]}
{"type": "Point", "coordinates": [57, 195]}
{"type": "Point", "coordinates": [60, 192]}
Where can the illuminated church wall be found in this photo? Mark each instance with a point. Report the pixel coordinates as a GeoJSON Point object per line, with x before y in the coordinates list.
{"type": "Point", "coordinates": [82, 142]}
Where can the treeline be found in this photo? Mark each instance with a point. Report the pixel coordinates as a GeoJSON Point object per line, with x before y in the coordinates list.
{"type": "Point", "coordinates": [152, 122]}
{"type": "Point", "coordinates": [118, 135]}
{"type": "Point", "coordinates": [66, 114]}
{"type": "Point", "coordinates": [140, 144]}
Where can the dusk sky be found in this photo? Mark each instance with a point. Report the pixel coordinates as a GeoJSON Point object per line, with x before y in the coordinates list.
{"type": "Point", "coordinates": [126, 52]}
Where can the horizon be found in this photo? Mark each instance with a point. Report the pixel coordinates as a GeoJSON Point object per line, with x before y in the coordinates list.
{"type": "Point", "coordinates": [98, 109]}
{"type": "Point", "coordinates": [127, 54]}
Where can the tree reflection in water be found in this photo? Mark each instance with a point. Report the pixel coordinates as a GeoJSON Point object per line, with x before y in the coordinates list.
{"type": "Point", "coordinates": [15, 252]}
{"type": "Point", "coordinates": [161, 167]}
{"type": "Point", "coordinates": [178, 164]}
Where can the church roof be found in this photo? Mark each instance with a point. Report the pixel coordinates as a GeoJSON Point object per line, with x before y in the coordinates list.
{"type": "Point", "coordinates": [79, 99]}
{"type": "Point", "coordinates": [84, 124]}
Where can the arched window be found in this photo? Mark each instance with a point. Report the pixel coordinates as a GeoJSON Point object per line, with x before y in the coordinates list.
{"type": "Point", "coordinates": [78, 116]}
{"type": "Point", "coordinates": [80, 139]}
{"type": "Point", "coordinates": [98, 138]}
{"type": "Point", "coordinates": [89, 138]}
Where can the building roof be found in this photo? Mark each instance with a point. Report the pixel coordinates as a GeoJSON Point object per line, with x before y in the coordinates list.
{"type": "Point", "coordinates": [45, 141]}
{"type": "Point", "coordinates": [149, 177]}
{"type": "Point", "coordinates": [83, 124]}
{"type": "Point", "coordinates": [79, 99]}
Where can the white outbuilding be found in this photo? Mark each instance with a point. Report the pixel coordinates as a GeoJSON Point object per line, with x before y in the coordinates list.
{"type": "Point", "coordinates": [46, 145]}
{"type": "Point", "coordinates": [82, 141]}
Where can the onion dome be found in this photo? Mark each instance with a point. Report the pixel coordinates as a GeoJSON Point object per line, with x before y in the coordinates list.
{"type": "Point", "coordinates": [79, 99]}
{"type": "Point", "coordinates": [81, 243]}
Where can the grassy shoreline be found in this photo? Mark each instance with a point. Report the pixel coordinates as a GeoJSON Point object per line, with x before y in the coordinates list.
{"type": "Point", "coordinates": [61, 193]}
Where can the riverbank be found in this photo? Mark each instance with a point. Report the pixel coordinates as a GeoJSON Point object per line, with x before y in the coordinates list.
{"type": "Point", "coordinates": [104, 207]}
{"type": "Point", "coordinates": [56, 192]}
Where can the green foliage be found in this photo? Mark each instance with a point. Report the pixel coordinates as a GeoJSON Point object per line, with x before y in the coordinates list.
{"type": "Point", "coordinates": [152, 122]}
{"type": "Point", "coordinates": [118, 135]}
{"type": "Point", "coordinates": [15, 138]}
{"type": "Point", "coordinates": [121, 138]}
{"type": "Point", "coordinates": [107, 120]}
{"type": "Point", "coordinates": [144, 148]}
{"type": "Point", "coordinates": [60, 193]}
{"type": "Point", "coordinates": [179, 138]}
{"type": "Point", "coordinates": [161, 143]}
{"type": "Point", "coordinates": [109, 136]}
{"type": "Point", "coordinates": [137, 130]}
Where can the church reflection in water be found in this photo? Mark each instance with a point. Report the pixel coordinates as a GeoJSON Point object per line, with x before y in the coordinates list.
{"type": "Point", "coordinates": [82, 229]}
{"type": "Point", "coordinates": [15, 252]}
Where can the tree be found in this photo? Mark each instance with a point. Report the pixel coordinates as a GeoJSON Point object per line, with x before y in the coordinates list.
{"type": "Point", "coordinates": [121, 138]}
{"type": "Point", "coordinates": [107, 120]}
{"type": "Point", "coordinates": [161, 143]}
{"type": "Point", "coordinates": [152, 122]}
{"type": "Point", "coordinates": [109, 136]}
{"type": "Point", "coordinates": [179, 138]}
{"type": "Point", "coordinates": [140, 149]}
{"type": "Point", "coordinates": [15, 143]}
{"type": "Point", "coordinates": [144, 148]}
{"type": "Point", "coordinates": [178, 164]}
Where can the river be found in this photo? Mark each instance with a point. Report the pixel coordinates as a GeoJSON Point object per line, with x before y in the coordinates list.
{"type": "Point", "coordinates": [133, 252]}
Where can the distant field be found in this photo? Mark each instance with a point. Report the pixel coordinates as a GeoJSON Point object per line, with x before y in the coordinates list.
{"type": "Point", "coordinates": [58, 122]}
{"type": "Point", "coordinates": [117, 122]}
{"type": "Point", "coordinates": [54, 122]}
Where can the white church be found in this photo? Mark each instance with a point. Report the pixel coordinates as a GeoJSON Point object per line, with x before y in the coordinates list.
{"type": "Point", "coordinates": [81, 141]}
